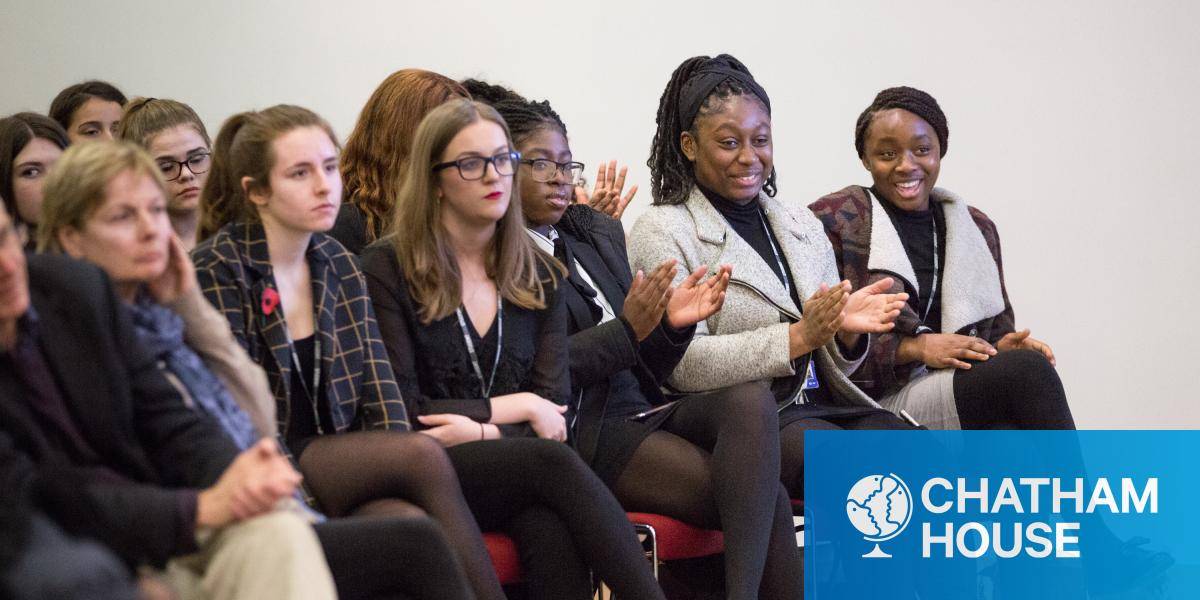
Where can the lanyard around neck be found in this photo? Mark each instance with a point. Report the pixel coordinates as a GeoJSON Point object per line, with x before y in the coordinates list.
{"type": "Point", "coordinates": [486, 391]}
{"type": "Point", "coordinates": [787, 280]}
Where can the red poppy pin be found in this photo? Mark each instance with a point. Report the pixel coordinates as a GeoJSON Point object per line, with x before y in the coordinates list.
{"type": "Point", "coordinates": [270, 300]}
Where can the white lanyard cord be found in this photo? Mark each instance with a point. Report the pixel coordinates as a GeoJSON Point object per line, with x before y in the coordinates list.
{"type": "Point", "coordinates": [462, 323]}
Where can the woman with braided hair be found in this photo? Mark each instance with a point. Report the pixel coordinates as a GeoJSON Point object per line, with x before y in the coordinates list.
{"type": "Point", "coordinates": [788, 323]}
{"type": "Point", "coordinates": [955, 358]}
{"type": "Point", "coordinates": [711, 461]}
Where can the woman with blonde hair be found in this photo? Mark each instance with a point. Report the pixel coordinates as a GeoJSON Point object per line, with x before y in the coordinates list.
{"type": "Point", "coordinates": [377, 151]}
{"type": "Point", "coordinates": [475, 331]}
{"type": "Point", "coordinates": [173, 134]}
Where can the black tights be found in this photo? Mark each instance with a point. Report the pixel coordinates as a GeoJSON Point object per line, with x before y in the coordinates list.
{"type": "Point", "coordinates": [575, 520]}
{"type": "Point", "coordinates": [377, 558]}
{"type": "Point", "coordinates": [791, 440]}
{"type": "Point", "coordinates": [381, 472]}
{"type": "Point", "coordinates": [714, 464]}
{"type": "Point", "coordinates": [1015, 389]}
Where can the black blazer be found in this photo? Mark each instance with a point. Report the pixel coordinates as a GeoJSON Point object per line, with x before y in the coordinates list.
{"type": "Point", "coordinates": [126, 410]}
{"type": "Point", "coordinates": [600, 351]}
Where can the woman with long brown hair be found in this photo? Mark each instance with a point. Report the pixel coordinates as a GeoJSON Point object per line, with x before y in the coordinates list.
{"type": "Point", "coordinates": [475, 331]}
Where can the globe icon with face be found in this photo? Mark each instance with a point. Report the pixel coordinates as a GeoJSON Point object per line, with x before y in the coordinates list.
{"type": "Point", "coordinates": [879, 507]}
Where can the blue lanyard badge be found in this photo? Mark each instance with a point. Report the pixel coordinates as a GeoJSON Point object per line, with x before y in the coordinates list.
{"type": "Point", "coordinates": [810, 378]}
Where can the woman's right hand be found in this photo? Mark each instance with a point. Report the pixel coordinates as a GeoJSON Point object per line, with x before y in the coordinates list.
{"type": "Point", "coordinates": [546, 417]}
{"type": "Point", "coordinates": [942, 350]}
{"type": "Point", "coordinates": [822, 318]}
{"type": "Point", "coordinates": [648, 298]}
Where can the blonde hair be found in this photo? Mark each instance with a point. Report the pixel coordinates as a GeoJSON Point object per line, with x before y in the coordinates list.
{"type": "Point", "coordinates": [75, 188]}
{"type": "Point", "coordinates": [146, 117]}
{"type": "Point", "coordinates": [244, 149]}
{"type": "Point", "coordinates": [421, 243]}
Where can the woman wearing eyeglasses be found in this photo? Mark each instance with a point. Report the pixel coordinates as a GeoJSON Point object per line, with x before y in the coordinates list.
{"type": "Point", "coordinates": [712, 460]}
{"type": "Point", "coordinates": [175, 137]}
{"type": "Point", "coordinates": [473, 323]}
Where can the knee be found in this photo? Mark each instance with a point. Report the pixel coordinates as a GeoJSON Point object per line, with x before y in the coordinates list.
{"type": "Point", "coordinates": [280, 536]}
{"type": "Point", "coordinates": [555, 457]}
{"type": "Point", "coordinates": [1033, 368]}
{"type": "Point", "coordinates": [755, 405]}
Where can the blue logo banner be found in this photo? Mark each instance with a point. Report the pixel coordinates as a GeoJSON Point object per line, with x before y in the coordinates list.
{"type": "Point", "coordinates": [997, 515]}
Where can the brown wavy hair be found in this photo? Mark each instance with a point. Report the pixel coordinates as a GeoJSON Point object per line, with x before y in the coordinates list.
{"type": "Point", "coordinates": [520, 271]}
{"type": "Point", "coordinates": [378, 148]}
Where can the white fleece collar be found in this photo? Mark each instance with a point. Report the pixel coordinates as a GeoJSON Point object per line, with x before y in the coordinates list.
{"type": "Point", "coordinates": [970, 290]}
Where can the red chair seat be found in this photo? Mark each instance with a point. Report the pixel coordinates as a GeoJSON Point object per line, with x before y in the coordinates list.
{"type": "Point", "coordinates": [678, 540]}
{"type": "Point", "coordinates": [505, 559]}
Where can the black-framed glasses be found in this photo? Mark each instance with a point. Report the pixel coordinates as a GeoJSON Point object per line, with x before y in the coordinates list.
{"type": "Point", "coordinates": [544, 170]}
{"type": "Point", "coordinates": [474, 167]}
{"type": "Point", "coordinates": [197, 163]}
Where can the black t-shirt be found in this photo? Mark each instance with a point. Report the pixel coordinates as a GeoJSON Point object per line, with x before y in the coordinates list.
{"type": "Point", "coordinates": [917, 234]}
{"type": "Point", "coordinates": [302, 420]}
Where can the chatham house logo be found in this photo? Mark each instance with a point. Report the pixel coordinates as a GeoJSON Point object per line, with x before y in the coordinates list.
{"type": "Point", "coordinates": [879, 507]}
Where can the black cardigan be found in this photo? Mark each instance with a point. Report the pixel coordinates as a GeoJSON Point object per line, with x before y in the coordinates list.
{"type": "Point", "coordinates": [431, 363]}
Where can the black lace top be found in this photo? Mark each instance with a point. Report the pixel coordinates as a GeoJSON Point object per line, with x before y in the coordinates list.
{"type": "Point", "coordinates": [431, 362]}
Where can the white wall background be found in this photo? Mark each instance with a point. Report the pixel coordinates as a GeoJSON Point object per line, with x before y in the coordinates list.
{"type": "Point", "coordinates": [1073, 124]}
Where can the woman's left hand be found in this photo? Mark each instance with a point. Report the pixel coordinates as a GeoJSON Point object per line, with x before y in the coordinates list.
{"type": "Point", "coordinates": [694, 301]}
{"type": "Point", "coordinates": [871, 310]}
{"type": "Point", "coordinates": [178, 279]}
{"type": "Point", "coordinates": [1020, 339]}
{"type": "Point", "coordinates": [451, 429]}
{"type": "Point", "coordinates": [606, 194]}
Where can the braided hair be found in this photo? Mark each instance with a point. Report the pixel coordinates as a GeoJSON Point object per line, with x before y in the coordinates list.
{"type": "Point", "coordinates": [524, 117]}
{"type": "Point", "coordinates": [914, 101]}
{"type": "Point", "coordinates": [671, 173]}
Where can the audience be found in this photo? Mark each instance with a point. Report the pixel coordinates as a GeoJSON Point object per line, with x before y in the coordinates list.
{"type": "Point", "coordinates": [30, 144]}
{"type": "Point", "coordinates": [195, 390]}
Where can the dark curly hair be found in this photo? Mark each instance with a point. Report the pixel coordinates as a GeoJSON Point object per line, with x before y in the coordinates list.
{"type": "Point", "coordinates": [914, 101]}
{"type": "Point", "coordinates": [671, 173]}
{"type": "Point", "coordinates": [523, 116]}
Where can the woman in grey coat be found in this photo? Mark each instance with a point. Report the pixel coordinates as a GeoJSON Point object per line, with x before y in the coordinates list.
{"type": "Point", "coordinates": [788, 323]}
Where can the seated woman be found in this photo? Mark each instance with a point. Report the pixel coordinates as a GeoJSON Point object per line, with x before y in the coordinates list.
{"type": "Point", "coordinates": [109, 208]}
{"type": "Point", "coordinates": [297, 302]}
{"type": "Point", "coordinates": [475, 331]}
{"type": "Point", "coordinates": [713, 182]}
{"type": "Point", "coordinates": [175, 137]}
{"type": "Point", "coordinates": [711, 460]}
{"type": "Point", "coordinates": [88, 111]}
{"type": "Point", "coordinates": [30, 144]}
{"type": "Point", "coordinates": [954, 359]}
{"type": "Point", "coordinates": [377, 152]}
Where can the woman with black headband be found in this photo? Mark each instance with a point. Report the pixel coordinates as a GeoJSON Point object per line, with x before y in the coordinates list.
{"type": "Point", "coordinates": [788, 323]}
{"type": "Point", "coordinates": [955, 358]}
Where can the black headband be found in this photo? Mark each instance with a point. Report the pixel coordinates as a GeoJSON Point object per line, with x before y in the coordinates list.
{"type": "Point", "coordinates": [706, 79]}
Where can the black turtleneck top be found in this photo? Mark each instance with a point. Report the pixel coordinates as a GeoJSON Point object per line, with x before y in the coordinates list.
{"type": "Point", "coordinates": [920, 232]}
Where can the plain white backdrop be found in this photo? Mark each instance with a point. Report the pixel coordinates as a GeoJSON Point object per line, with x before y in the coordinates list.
{"type": "Point", "coordinates": [1072, 124]}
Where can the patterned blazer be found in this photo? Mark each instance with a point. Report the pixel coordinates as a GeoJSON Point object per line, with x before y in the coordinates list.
{"type": "Point", "coordinates": [747, 340]}
{"type": "Point", "coordinates": [234, 271]}
{"type": "Point", "coordinates": [974, 299]}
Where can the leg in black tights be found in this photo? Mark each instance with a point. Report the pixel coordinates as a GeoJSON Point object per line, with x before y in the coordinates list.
{"type": "Point", "coordinates": [552, 565]}
{"type": "Point", "coordinates": [373, 558]}
{"type": "Point", "coordinates": [502, 478]}
{"type": "Point", "coordinates": [1016, 389]}
{"type": "Point", "coordinates": [791, 441]}
{"type": "Point", "coordinates": [714, 464]}
{"type": "Point", "coordinates": [351, 473]}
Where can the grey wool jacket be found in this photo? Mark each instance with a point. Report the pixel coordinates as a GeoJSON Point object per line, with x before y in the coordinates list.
{"type": "Point", "coordinates": [747, 340]}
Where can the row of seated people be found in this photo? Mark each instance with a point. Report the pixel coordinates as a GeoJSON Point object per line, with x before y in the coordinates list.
{"type": "Point", "coordinates": [443, 274]}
